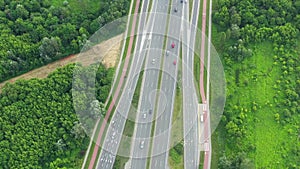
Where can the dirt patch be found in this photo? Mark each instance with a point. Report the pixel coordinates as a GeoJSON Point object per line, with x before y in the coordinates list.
{"type": "Point", "coordinates": [107, 52]}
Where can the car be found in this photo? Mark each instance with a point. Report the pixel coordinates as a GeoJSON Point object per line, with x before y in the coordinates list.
{"type": "Point", "coordinates": [173, 45]}
{"type": "Point", "coordinates": [181, 1]}
{"type": "Point", "coordinates": [175, 9]}
{"type": "Point", "coordinates": [153, 61]}
{"type": "Point", "coordinates": [113, 122]}
{"type": "Point", "coordinates": [201, 117]}
{"type": "Point", "coordinates": [113, 135]}
{"type": "Point", "coordinates": [167, 53]}
{"type": "Point", "coordinates": [185, 1]}
{"type": "Point", "coordinates": [144, 115]}
{"type": "Point", "coordinates": [142, 144]}
{"type": "Point", "coordinates": [174, 62]}
{"type": "Point", "coordinates": [150, 111]}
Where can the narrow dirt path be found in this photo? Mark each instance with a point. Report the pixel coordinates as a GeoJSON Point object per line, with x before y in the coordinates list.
{"type": "Point", "coordinates": [110, 59]}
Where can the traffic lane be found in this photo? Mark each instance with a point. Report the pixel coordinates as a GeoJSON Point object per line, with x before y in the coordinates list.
{"type": "Point", "coordinates": [111, 144]}
{"type": "Point", "coordinates": [155, 41]}
{"type": "Point", "coordinates": [145, 132]}
{"type": "Point", "coordinates": [191, 121]}
{"type": "Point", "coordinates": [159, 162]}
{"type": "Point", "coordinates": [190, 145]}
{"type": "Point", "coordinates": [168, 116]}
{"type": "Point", "coordinates": [161, 39]}
{"type": "Point", "coordinates": [143, 128]}
{"type": "Point", "coordinates": [142, 23]}
{"type": "Point", "coordinates": [162, 128]}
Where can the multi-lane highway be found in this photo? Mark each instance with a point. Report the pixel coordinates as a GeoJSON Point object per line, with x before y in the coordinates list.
{"type": "Point", "coordinates": [116, 127]}
{"type": "Point", "coordinates": [149, 52]}
{"type": "Point", "coordinates": [103, 125]}
{"type": "Point", "coordinates": [146, 107]}
{"type": "Point", "coordinates": [162, 132]}
{"type": "Point", "coordinates": [190, 100]}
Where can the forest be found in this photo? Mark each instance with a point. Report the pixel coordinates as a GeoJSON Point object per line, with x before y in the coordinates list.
{"type": "Point", "coordinates": [39, 126]}
{"type": "Point", "coordinates": [258, 41]}
{"type": "Point", "coordinates": [34, 33]}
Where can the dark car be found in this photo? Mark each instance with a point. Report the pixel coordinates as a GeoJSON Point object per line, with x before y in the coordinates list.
{"type": "Point", "coordinates": [175, 9]}
{"type": "Point", "coordinates": [150, 111]}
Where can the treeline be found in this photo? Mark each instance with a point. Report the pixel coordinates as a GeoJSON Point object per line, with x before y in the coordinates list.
{"type": "Point", "coordinates": [33, 32]}
{"type": "Point", "coordinates": [242, 23]}
{"type": "Point", "coordinates": [246, 21]}
{"type": "Point", "coordinates": [39, 127]}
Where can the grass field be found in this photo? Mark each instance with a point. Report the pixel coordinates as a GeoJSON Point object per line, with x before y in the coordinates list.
{"type": "Point", "coordinates": [271, 140]}
{"type": "Point", "coordinates": [79, 5]}
{"type": "Point", "coordinates": [261, 123]}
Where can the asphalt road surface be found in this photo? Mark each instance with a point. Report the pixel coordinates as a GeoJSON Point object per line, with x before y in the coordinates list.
{"type": "Point", "coordinates": [116, 127]}
{"type": "Point", "coordinates": [162, 133]}
{"type": "Point", "coordinates": [190, 100]}
{"type": "Point", "coordinates": [146, 107]}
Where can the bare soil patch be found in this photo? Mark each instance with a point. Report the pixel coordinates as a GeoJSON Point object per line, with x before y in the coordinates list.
{"type": "Point", "coordinates": [107, 52]}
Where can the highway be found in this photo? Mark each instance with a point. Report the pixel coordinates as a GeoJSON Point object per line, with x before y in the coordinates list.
{"type": "Point", "coordinates": [103, 125]}
{"type": "Point", "coordinates": [149, 47]}
{"type": "Point", "coordinates": [190, 100]}
{"type": "Point", "coordinates": [140, 145]}
{"type": "Point", "coordinates": [162, 132]}
{"type": "Point", "coordinates": [116, 127]}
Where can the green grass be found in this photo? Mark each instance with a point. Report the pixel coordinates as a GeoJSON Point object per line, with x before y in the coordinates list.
{"type": "Point", "coordinates": [217, 143]}
{"type": "Point", "coordinates": [175, 160]}
{"type": "Point", "coordinates": [191, 2]}
{"type": "Point", "coordinates": [82, 6]}
{"type": "Point", "coordinates": [263, 131]}
{"type": "Point", "coordinates": [149, 10]}
{"type": "Point", "coordinates": [202, 160]}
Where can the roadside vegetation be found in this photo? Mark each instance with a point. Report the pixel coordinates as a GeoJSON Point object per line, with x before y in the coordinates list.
{"type": "Point", "coordinates": [258, 44]}
{"type": "Point", "coordinates": [34, 33]}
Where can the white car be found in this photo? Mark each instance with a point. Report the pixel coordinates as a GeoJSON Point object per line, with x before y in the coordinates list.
{"type": "Point", "coordinates": [153, 61]}
{"type": "Point", "coordinates": [167, 53]}
{"type": "Point", "coordinates": [144, 115]}
{"type": "Point", "coordinates": [142, 144]}
{"type": "Point", "coordinates": [201, 117]}
{"type": "Point", "coordinates": [113, 135]}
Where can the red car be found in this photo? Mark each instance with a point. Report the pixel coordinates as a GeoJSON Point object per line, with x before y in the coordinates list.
{"type": "Point", "coordinates": [173, 45]}
{"type": "Point", "coordinates": [174, 63]}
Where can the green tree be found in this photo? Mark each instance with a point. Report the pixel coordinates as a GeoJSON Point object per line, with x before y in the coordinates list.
{"type": "Point", "coordinates": [49, 48]}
